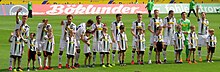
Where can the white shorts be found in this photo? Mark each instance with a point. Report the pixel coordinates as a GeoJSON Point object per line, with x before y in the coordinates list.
{"type": "Point", "coordinates": [202, 40]}
{"type": "Point", "coordinates": [40, 46]}
{"type": "Point", "coordinates": [115, 46]}
{"type": "Point", "coordinates": [95, 47]}
{"type": "Point", "coordinates": [62, 44]}
{"type": "Point", "coordinates": [151, 40]}
{"type": "Point", "coordinates": [168, 40]}
{"type": "Point", "coordinates": [78, 44]}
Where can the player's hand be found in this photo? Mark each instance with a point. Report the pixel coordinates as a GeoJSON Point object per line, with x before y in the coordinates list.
{"type": "Point", "coordinates": [19, 10]}
{"type": "Point", "coordinates": [191, 44]}
{"type": "Point", "coordinates": [12, 33]}
{"type": "Point", "coordinates": [88, 43]}
{"type": "Point", "coordinates": [113, 40]}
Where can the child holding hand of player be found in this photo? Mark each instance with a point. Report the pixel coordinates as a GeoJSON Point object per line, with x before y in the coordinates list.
{"type": "Point", "coordinates": [140, 43]}
{"type": "Point", "coordinates": [16, 50]}
{"type": "Point", "coordinates": [48, 49]}
{"type": "Point", "coordinates": [178, 39]}
{"type": "Point", "coordinates": [87, 50]}
{"type": "Point", "coordinates": [211, 44]}
{"type": "Point", "coordinates": [158, 43]}
{"type": "Point", "coordinates": [122, 43]}
{"type": "Point", "coordinates": [106, 43]}
{"type": "Point", "coordinates": [70, 49]}
{"type": "Point", "coordinates": [192, 37]}
{"type": "Point", "coordinates": [32, 45]}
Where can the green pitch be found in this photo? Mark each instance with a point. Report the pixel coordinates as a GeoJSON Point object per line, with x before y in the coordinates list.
{"type": "Point", "coordinates": [7, 24]}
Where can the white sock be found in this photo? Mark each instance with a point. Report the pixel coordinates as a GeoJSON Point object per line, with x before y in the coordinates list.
{"type": "Point", "coordinates": [200, 55]}
{"type": "Point", "coordinates": [94, 59]}
{"type": "Point", "coordinates": [60, 59]}
{"type": "Point", "coordinates": [132, 57]}
{"type": "Point", "coordinates": [77, 57]}
{"type": "Point", "coordinates": [10, 61]}
{"type": "Point", "coordinates": [39, 61]}
{"type": "Point", "coordinates": [46, 62]}
{"type": "Point", "coordinates": [113, 58]}
{"type": "Point", "coordinates": [164, 55]}
{"type": "Point", "coordinates": [149, 55]}
{"type": "Point", "coordinates": [101, 58]}
{"type": "Point", "coordinates": [119, 58]}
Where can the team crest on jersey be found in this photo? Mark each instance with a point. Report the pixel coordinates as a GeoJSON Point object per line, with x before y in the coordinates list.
{"type": "Point", "coordinates": [117, 27]}
{"type": "Point", "coordinates": [99, 29]}
{"type": "Point", "coordinates": [179, 37]}
{"type": "Point", "coordinates": [72, 42]}
{"type": "Point", "coordinates": [170, 22]}
{"type": "Point", "coordinates": [205, 23]}
{"type": "Point", "coordinates": [157, 23]}
{"type": "Point", "coordinates": [212, 40]}
{"type": "Point", "coordinates": [139, 27]}
{"type": "Point", "coordinates": [184, 25]}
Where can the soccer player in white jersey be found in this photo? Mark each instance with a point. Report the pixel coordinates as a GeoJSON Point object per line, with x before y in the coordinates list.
{"type": "Point", "coordinates": [193, 41]}
{"type": "Point", "coordinates": [16, 50]}
{"type": "Point", "coordinates": [42, 30]}
{"type": "Point", "coordinates": [106, 43]}
{"type": "Point", "coordinates": [22, 26]}
{"type": "Point", "coordinates": [202, 31]}
{"type": "Point", "coordinates": [158, 44]}
{"type": "Point", "coordinates": [80, 31]}
{"type": "Point", "coordinates": [87, 51]}
{"type": "Point", "coordinates": [169, 29]}
{"type": "Point", "coordinates": [67, 25]}
{"type": "Point", "coordinates": [135, 25]}
{"type": "Point", "coordinates": [211, 44]}
{"type": "Point", "coordinates": [152, 27]}
{"type": "Point", "coordinates": [71, 50]}
{"type": "Point", "coordinates": [122, 44]}
{"type": "Point", "coordinates": [114, 31]}
{"type": "Point", "coordinates": [48, 49]}
{"type": "Point", "coordinates": [97, 29]}
{"type": "Point", "coordinates": [141, 45]}
{"type": "Point", "coordinates": [32, 45]}
{"type": "Point", "coordinates": [178, 39]}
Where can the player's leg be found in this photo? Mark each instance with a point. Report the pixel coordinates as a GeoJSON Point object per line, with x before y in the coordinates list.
{"type": "Point", "coordinates": [45, 59]}
{"type": "Point", "coordinates": [194, 56]}
{"type": "Point", "coordinates": [108, 59]}
{"type": "Point", "coordinates": [14, 63]}
{"type": "Point", "coordinates": [10, 62]}
{"type": "Point", "coordinates": [19, 64]}
{"type": "Point", "coordinates": [29, 59]}
{"type": "Point", "coordinates": [142, 57]}
{"type": "Point", "coordinates": [113, 57]}
{"type": "Point", "coordinates": [40, 47]}
{"type": "Point", "coordinates": [94, 58]}
{"type": "Point", "coordinates": [188, 59]}
{"type": "Point", "coordinates": [89, 61]}
{"type": "Point", "coordinates": [102, 54]}
{"type": "Point", "coordinates": [72, 60]}
{"type": "Point", "coordinates": [49, 62]}
{"type": "Point", "coordinates": [165, 53]}
{"type": "Point", "coordinates": [77, 57]}
{"type": "Point", "coordinates": [85, 60]}
{"type": "Point", "coordinates": [149, 11]}
{"type": "Point", "coordinates": [94, 48]}
{"type": "Point", "coordinates": [187, 48]}
{"type": "Point", "coordinates": [68, 62]}
{"type": "Point", "coordinates": [33, 60]}
{"type": "Point", "coordinates": [138, 57]}
{"type": "Point", "coordinates": [62, 46]}
{"type": "Point", "coordinates": [189, 12]}
{"type": "Point", "coordinates": [123, 58]}
{"type": "Point", "coordinates": [133, 51]}
{"type": "Point", "coordinates": [212, 52]}
{"type": "Point", "coordinates": [194, 12]}
{"type": "Point", "coordinates": [150, 50]}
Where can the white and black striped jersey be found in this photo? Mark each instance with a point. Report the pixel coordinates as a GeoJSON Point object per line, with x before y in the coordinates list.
{"type": "Point", "coordinates": [32, 44]}
{"type": "Point", "coordinates": [192, 40]}
{"type": "Point", "coordinates": [86, 47]}
{"type": "Point", "coordinates": [16, 46]}
{"type": "Point", "coordinates": [211, 40]}
{"type": "Point", "coordinates": [42, 31]}
{"type": "Point", "coordinates": [106, 42]}
{"type": "Point", "coordinates": [24, 31]}
{"type": "Point", "coordinates": [136, 25]}
{"type": "Point", "coordinates": [80, 30]}
{"type": "Point", "coordinates": [203, 26]}
{"type": "Point", "coordinates": [154, 23]}
{"type": "Point", "coordinates": [66, 28]}
{"type": "Point", "coordinates": [179, 38]}
{"type": "Point", "coordinates": [115, 27]}
{"type": "Point", "coordinates": [140, 40]}
{"type": "Point", "coordinates": [122, 40]}
{"type": "Point", "coordinates": [168, 32]}
{"type": "Point", "coordinates": [49, 44]}
{"type": "Point", "coordinates": [158, 38]}
{"type": "Point", "coordinates": [98, 33]}
{"type": "Point", "coordinates": [71, 46]}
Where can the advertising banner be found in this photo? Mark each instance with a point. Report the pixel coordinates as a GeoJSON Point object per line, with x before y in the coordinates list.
{"type": "Point", "coordinates": [78, 9]}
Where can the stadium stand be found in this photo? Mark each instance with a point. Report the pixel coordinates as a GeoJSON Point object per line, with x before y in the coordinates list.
{"type": "Point", "coordinates": [102, 1]}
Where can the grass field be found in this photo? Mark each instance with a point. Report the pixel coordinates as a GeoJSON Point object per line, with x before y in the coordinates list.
{"type": "Point", "coordinates": [7, 24]}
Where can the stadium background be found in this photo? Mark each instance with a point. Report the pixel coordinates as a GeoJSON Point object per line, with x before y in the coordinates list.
{"type": "Point", "coordinates": [7, 24]}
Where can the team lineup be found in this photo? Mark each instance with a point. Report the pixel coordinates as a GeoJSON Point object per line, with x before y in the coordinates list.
{"type": "Point", "coordinates": [165, 32]}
